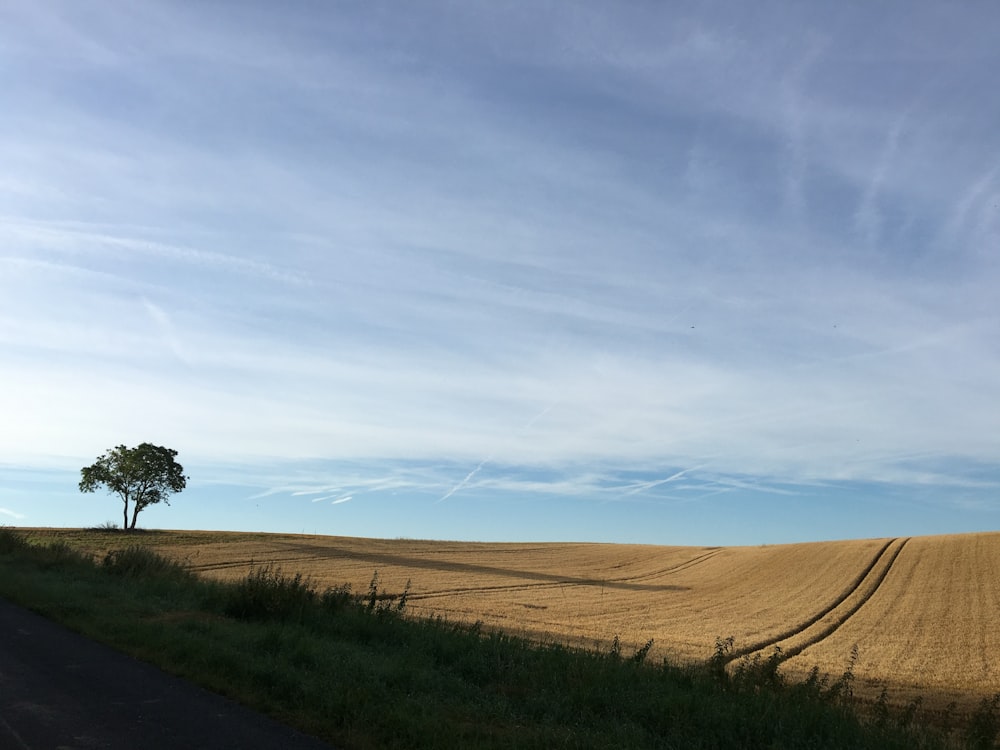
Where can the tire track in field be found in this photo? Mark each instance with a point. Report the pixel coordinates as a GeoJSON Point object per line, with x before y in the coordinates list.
{"type": "Point", "coordinates": [697, 560]}
{"type": "Point", "coordinates": [249, 562]}
{"type": "Point", "coordinates": [801, 627]}
{"type": "Point", "coordinates": [512, 587]}
{"type": "Point", "coordinates": [620, 582]}
{"type": "Point", "coordinates": [543, 581]}
{"type": "Point", "coordinates": [850, 612]}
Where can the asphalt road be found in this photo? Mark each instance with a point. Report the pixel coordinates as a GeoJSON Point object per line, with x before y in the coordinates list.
{"type": "Point", "coordinates": [61, 691]}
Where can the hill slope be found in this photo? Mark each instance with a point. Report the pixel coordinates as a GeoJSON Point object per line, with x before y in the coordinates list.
{"type": "Point", "coordinates": [923, 612]}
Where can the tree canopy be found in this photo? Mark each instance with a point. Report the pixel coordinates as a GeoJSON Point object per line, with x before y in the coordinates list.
{"type": "Point", "coordinates": [142, 476]}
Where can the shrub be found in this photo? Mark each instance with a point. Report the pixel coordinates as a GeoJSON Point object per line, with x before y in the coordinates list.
{"type": "Point", "coordinates": [381, 603]}
{"type": "Point", "coordinates": [268, 594]}
{"type": "Point", "coordinates": [984, 724]}
{"type": "Point", "coordinates": [720, 658]}
{"type": "Point", "coordinates": [12, 541]}
{"type": "Point", "coordinates": [336, 598]}
{"type": "Point", "coordinates": [754, 672]}
{"type": "Point", "coordinates": [141, 562]}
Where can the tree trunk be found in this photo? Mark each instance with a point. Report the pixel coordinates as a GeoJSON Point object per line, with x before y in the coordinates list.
{"type": "Point", "coordinates": [135, 515]}
{"type": "Point", "coordinates": [125, 520]}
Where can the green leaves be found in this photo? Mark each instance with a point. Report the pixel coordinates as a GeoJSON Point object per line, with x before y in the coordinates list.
{"type": "Point", "coordinates": [144, 475]}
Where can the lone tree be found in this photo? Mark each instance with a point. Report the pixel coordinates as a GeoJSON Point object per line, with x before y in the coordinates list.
{"type": "Point", "coordinates": [143, 476]}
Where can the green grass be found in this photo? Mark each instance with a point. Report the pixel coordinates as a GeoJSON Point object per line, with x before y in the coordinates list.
{"type": "Point", "coordinates": [350, 668]}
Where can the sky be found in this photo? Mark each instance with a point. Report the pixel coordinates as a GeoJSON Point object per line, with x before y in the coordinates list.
{"type": "Point", "coordinates": [638, 272]}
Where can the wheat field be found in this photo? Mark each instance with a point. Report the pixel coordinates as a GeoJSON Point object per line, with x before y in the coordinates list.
{"type": "Point", "coordinates": [924, 613]}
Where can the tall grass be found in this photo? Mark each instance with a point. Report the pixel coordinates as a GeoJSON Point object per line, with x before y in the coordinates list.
{"type": "Point", "coordinates": [12, 542]}
{"type": "Point", "coordinates": [140, 562]}
{"type": "Point", "coordinates": [352, 669]}
{"type": "Point", "coordinates": [267, 594]}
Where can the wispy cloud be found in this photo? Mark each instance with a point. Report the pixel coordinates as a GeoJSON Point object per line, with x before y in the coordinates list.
{"type": "Point", "coordinates": [868, 217]}
{"type": "Point", "coordinates": [300, 493]}
{"type": "Point", "coordinates": [643, 486]}
{"type": "Point", "coordinates": [516, 436]}
{"type": "Point", "coordinates": [593, 247]}
{"type": "Point", "coordinates": [975, 216]}
{"type": "Point", "coordinates": [12, 514]}
{"type": "Point", "coordinates": [465, 482]}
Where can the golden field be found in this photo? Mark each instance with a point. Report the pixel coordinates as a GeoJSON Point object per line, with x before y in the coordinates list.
{"type": "Point", "coordinates": [923, 612]}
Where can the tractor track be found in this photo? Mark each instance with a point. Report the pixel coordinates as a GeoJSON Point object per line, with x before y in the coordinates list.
{"type": "Point", "coordinates": [542, 581]}
{"type": "Point", "coordinates": [697, 560]}
{"type": "Point", "coordinates": [883, 554]}
{"type": "Point", "coordinates": [844, 617]}
{"type": "Point", "coordinates": [637, 582]}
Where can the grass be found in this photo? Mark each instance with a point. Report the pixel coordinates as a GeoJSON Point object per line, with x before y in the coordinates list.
{"type": "Point", "coordinates": [353, 670]}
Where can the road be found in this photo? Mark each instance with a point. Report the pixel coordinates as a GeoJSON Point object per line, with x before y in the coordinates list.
{"type": "Point", "coordinates": [61, 691]}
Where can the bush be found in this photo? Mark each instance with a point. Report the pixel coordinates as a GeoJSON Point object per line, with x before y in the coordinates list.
{"type": "Point", "coordinates": [267, 594]}
{"type": "Point", "coordinates": [141, 562]}
{"type": "Point", "coordinates": [336, 598]}
{"type": "Point", "coordinates": [12, 541]}
{"type": "Point", "coordinates": [379, 602]}
{"type": "Point", "coordinates": [984, 724]}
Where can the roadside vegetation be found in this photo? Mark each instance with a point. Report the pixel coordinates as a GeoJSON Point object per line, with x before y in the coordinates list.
{"type": "Point", "coordinates": [351, 668]}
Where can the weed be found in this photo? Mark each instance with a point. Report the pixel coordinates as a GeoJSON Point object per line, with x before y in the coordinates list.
{"type": "Point", "coordinates": [842, 689]}
{"type": "Point", "coordinates": [880, 711]}
{"type": "Point", "coordinates": [57, 555]}
{"type": "Point", "coordinates": [403, 597]}
{"type": "Point", "coordinates": [947, 718]}
{"type": "Point", "coordinates": [641, 653]}
{"type": "Point", "coordinates": [336, 598]}
{"type": "Point", "coordinates": [268, 594]}
{"type": "Point", "coordinates": [616, 648]}
{"type": "Point", "coordinates": [910, 711]}
{"type": "Point", "coordinates": [754, 672]}
{"type": "Point", "coordinates": [12, 541]}
{"type": "Point", "coordinates": [141, 562]}
{"type": "Point", "coordinates": [720, 658]}
{"type": "Point", "coordinates": [815, 684]}
{"type": "Point", "coordinates": [984, 724]}
{"type": "Point", "coordinates": [381, 603]}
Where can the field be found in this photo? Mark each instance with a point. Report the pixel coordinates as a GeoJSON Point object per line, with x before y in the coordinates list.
{"type": "Point", "coordinates": [924, 613]}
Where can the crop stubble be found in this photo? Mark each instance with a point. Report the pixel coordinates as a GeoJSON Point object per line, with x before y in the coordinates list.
{"type": "Point", "coordinates": [933, 627]}
{"type": "Point", "coordinates": [924, 612]}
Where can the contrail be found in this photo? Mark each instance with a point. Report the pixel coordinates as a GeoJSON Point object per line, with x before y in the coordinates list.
{"type": "Point", "coordinates": [468, 478]}
{"type": "Point", "coordinates": [650, 485]}
{"type": "Point", "coordinates": [542, 413]}
{"type": "Point", "coordinates": [465, 482]}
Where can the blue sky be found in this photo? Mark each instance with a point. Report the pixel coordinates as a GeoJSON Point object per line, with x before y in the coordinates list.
{"type": "Point", "coordinates": [677, 273]}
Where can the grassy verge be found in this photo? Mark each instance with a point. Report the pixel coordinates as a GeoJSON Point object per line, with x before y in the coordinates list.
{"type": "Point", "coordinates": [350, 669]}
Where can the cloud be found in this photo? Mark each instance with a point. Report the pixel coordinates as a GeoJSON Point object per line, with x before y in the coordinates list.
{"type": "Point", "coordinates": [643, 486]}
{"type": "Point", "coordinates": [975, 216]}
{"type": "Point", "coordinates": [167, 330]}
{"type": "Point", "coordinates": [465, 482]}
{"type": "Point", "coordinates": [321, 491]}
{"type": "Point", "coordinates": [868, 218]}
{"type": "Point", "coordinates": [12, 514]}
{"type": "Point", "coordinates": [583, 245]}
